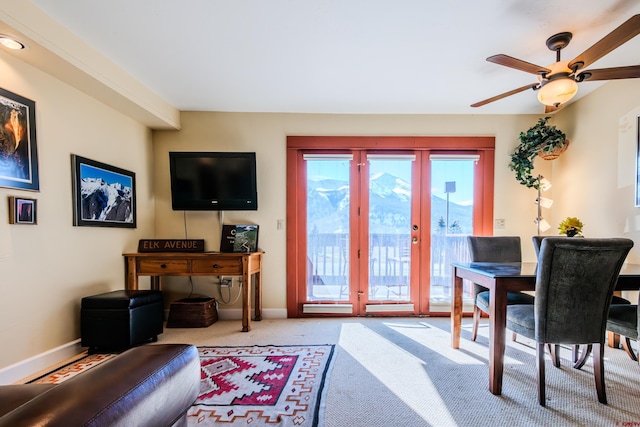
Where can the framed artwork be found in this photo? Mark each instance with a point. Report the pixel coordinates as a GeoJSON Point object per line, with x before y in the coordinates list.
{"type": "Point", "coordinates": [22, 211]}
{"type": "Point", "coordinates": [239, 238]}
{"type": "Point", "coordinates": [103, 195]}
{"type": "Point", "coordinates": [18, 148]}
{"type": "Point", "coordinates": [638, 163]}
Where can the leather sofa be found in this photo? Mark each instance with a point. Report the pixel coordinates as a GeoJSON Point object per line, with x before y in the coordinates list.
{"type": "Point", "coordinates": [151, 385]}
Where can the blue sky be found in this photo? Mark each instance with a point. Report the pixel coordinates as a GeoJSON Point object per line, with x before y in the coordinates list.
{"type": "Point", "coordinates": [109, 177]}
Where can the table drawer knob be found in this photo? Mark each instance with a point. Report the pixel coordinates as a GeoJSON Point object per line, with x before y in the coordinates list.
{"type": "Point", "coordinates": [163, 265]}
{"type": "Point", "coordinates": [215, 266]}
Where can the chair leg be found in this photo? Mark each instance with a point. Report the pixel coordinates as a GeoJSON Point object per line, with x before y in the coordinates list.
{"type": "Point", "coordinates": [476, 321]}
{"type": "Point", "coordinates": [540, 364]}
{"type": "Point", "coordinates": [555, 355]}
{"type": "Point", "coordinates": [575, 353]}
{"type": "Point", "coordinates": [598, 372]}
{"type": "Point", "coordinates": [554, 352]}
{"type": "Point", "coordinates": [626, 344]}
{"type": "Point", "coordinates": [583, 358]}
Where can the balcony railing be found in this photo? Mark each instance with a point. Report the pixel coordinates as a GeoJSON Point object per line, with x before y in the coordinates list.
{"type": "Point", "coordinates": [389, 258]}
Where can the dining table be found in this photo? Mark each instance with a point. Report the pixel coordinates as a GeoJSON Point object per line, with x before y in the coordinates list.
{"type": "Point", "coordinates": [500, 278]}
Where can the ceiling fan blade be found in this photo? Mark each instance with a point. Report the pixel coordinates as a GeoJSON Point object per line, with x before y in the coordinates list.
{"type": "Point", "coordinates": [518, 64]}
{"type": "Point", "coordinates": [631, 72]}
{"type": "Point", "coordinates": [504, 95]}
{"type": "Point", "coordinates": [614, 39]}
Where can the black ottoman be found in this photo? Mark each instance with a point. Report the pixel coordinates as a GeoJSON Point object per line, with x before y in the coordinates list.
{"type": "Point", "coordinates": [118, 320]}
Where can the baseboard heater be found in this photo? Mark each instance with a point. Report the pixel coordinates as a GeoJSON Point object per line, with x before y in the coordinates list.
{"type": "Point", "coordinates": [387, 308]}
{"type": "Point", "coordinates": [328, 308]}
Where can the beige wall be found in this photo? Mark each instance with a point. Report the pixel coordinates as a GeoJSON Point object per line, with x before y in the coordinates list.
{"type": "Point", "coordinates": [595, 179]}
{"type": "Point", "coordinates": [46, 269]}
{"type": "Point", "coordinates": [266, 135]}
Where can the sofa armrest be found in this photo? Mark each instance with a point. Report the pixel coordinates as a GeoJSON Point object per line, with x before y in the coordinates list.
{"type": "Point", "coordinates": [12, 396]}
{"type": "Point", "coordinates": [151, 385]}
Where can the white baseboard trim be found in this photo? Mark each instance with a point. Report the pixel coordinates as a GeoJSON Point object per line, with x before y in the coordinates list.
{"type": "Point", "coordinates": [327, 308]}
{"type": "Point", "coordinates": [236, 313]}
{"type": "Point", "coordinates": [388, 308]}
{"type": "Point", "coordinates": [13, 374]}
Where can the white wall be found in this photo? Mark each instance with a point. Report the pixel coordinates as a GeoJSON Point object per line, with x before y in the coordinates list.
{"type": "Point", "coordinates": [45, 269]}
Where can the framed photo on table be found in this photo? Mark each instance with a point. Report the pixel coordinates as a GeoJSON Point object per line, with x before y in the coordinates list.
{"type": "Point", "coordinates": [103, 195]}
{"type": "Point", "coordinates": [239, 238]}
{"type": "Point", "coordinates": [18, 148]}
{"type": "Point", "coordinates": [22, 211]}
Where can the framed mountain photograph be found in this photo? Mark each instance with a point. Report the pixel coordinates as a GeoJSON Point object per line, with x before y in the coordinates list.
{"type": "Point", "coordinates": [103, 195]}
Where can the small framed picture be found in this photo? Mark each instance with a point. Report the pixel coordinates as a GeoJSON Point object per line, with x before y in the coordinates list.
{"type": "Point", "coordinates": [22, 211]}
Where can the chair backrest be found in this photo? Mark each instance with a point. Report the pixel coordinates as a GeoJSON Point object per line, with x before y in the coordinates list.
{"type": "Point", "coordinates": [575, 281]}
{"type": "Point", "coordinates": [537, 242]}
{"type": "Point", "coordinates": [494, 248]}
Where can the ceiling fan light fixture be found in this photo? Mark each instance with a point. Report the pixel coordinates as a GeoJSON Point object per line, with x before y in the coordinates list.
{"type": "Point", "coordinates": [557, 91]}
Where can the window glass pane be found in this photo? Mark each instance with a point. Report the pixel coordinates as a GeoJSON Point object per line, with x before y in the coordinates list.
{"type": "Point", "coordinates": [451, 222]}
{"type": "Point", "coordinates": [327, 229]}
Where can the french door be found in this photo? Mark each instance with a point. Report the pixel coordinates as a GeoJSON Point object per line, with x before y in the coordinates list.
{"type": "Point", "coordinates": [366, 233]}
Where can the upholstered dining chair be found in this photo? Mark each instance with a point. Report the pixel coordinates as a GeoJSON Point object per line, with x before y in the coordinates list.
{"type": "Point", "coordinates": [572, 273]}
{"type": "Point", "coordinates": [578, 360]}
{"type": "Point", "coordinates": [493, 249]}
{"type": "Point", "coordinates": [624, 319]}
{"type": "Point", "coordinates": [537, 241]}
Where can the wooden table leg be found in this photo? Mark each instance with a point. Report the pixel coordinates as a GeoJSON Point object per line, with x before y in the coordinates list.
{"type": "Point", "coordinates": [246, 295]}
{"type": "Point", "coordinates": [258, 296]}
{"type": "Point", "coordinates": [131, 274]}
{"type": "Point", "coordinates": [456, 310]}
{"type": "Point", "coordinates": [613, 339]}
{"type": "Point", "coordinates": [497, 328]}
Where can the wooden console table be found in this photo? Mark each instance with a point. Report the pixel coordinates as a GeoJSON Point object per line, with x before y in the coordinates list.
{"type": "Point", "coordinates": [157, 264]}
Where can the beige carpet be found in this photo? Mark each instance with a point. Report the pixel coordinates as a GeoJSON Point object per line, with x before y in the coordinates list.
{"type": "Point", "coordinates": [392, 372]}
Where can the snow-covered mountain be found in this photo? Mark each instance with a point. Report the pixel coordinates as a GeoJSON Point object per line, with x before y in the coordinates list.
{"type": "Point", "coordinates": [389, 206]}
{"type": "Point", "coordinates": [105, 202]}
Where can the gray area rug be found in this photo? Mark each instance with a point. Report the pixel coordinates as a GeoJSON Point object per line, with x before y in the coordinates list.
{"type": "Point", "coordinates": [390, 372]}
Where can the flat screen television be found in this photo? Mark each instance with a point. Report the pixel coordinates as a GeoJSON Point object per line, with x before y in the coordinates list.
{"type": "Point", "coordinates": [213, 181]}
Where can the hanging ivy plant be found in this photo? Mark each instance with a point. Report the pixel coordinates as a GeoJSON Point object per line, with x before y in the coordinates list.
{"type": "Point", "coordinates": [539, 138]}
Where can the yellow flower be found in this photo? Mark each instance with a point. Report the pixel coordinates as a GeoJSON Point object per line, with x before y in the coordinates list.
{"type": "Point", "coordinates": [571, 226]}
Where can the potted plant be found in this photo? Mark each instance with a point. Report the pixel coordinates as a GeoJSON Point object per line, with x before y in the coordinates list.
{"type": "Point", "coordinates": [542, 139]}
{"type": "Point", "coordinates": [571, 226]}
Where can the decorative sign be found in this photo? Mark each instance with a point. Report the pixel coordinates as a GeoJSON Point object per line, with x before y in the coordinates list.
{"type": "Point", "coordinates": [171, 245]}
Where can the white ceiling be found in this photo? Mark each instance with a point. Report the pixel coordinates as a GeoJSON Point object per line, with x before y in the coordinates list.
{"type": "Point", "coordinates": [341, 56]}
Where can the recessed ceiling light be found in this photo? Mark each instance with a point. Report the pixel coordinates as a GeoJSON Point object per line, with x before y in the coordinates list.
{"type": "Point", "coordinates": [11, 43]}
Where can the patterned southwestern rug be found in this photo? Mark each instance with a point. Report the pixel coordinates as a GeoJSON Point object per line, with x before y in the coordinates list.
{"type": "Point", "coordinates": [247, 386]}
{"type": "Point", "coordinates": [270, 385]}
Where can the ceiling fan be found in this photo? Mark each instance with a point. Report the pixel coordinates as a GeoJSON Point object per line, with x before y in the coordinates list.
{"type": "Point", "coordinates": [558, 82]}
